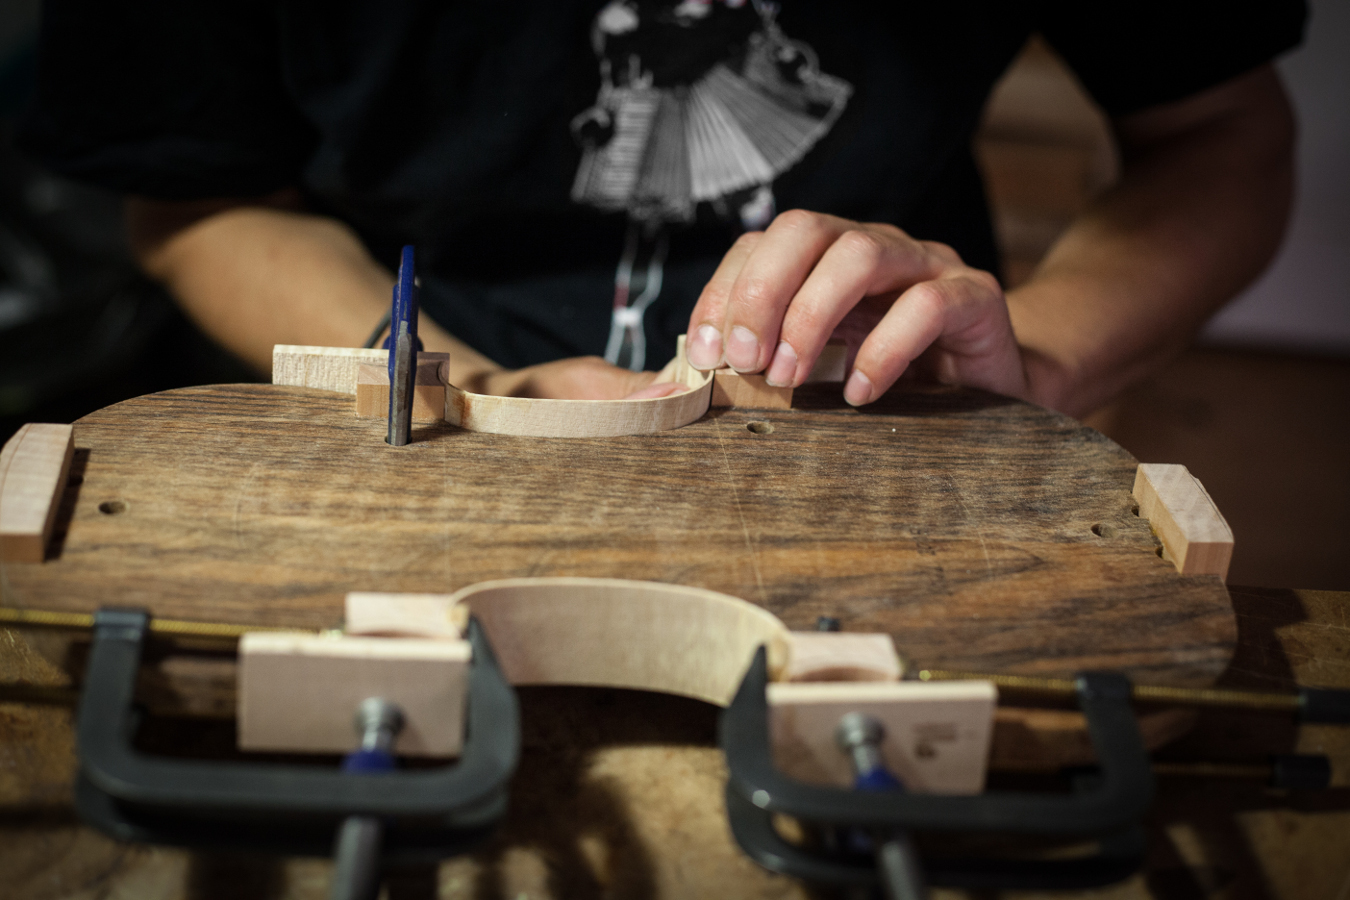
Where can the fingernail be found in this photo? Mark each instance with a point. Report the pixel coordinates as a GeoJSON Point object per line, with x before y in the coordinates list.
{"type": "Point", "coordinates": [704, 350]}
{"type": "Point", "coordinates": [858, 390]}
{"type": "Point", "coordinates": [783, 369]}
{"type": "Point", "coordinates": [742, 349]}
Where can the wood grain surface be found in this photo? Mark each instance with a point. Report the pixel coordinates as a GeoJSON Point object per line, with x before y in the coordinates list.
{"type": "Point", "coordinates": [980, 532]}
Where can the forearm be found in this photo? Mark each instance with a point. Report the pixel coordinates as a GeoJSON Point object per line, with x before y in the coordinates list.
{"type": "Point", "coordinates": [255, 275]}
{"type": "Point", "coordinates": [1197, 214]}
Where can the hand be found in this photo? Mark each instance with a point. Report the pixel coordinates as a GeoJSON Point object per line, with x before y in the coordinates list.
{"type": "Point", "coordinates": [579, 378]}
{"type": "Point", "coordinates": [780, 295]}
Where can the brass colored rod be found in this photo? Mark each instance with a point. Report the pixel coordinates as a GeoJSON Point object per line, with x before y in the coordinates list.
{"type": "Point", "coordinates": [174, 628]}
{"type": "Point", "coordinates": [1059, 687]}
{"type": "Point", "coordinates": [40, 618]}
{"type": "Point", "coordinates": [1148, 693]}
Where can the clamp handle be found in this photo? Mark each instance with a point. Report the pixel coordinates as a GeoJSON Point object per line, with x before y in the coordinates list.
{"type": "Point", "coordinates": [1109, 805]}
{"type": "Point", "coordinates": [289, 807]}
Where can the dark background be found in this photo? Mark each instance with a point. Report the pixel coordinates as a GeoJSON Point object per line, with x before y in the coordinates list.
{"type": "Point", "coordinates": [1264, 423]}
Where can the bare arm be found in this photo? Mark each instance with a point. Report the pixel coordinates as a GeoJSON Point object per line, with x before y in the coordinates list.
{"type": "Point", "coordinates": [1198, 212]}
{"type": "Point", "coordinates": [253, 273]}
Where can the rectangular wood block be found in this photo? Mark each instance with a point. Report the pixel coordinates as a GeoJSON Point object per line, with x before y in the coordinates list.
{"type": "Point", "coordinates": [1195, 536]}
{"type": "Point", "coordinates": [299, 692]}
{"type": "Point", "coordinates": [372, 392]}
{"type": "Point", "coordinates": [731, 388]}
{"type": "Point", "coordinates": [404, 615]}
{"type": "Point", "coordinates": [34, 465]}
{"type": "Point", "coordinates": [936, 741]}
{"type": "Point", "coordinates": [330, 368]}
{"type": "Point", "coordinates": [841, 656]}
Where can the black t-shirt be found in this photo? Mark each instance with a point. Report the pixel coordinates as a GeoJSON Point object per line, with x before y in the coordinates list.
{"type": "Point", "coordinates": [523, 146]}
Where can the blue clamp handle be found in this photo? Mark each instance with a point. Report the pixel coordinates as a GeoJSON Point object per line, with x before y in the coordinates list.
{"type": "Point", "coordinates": [368, 762]}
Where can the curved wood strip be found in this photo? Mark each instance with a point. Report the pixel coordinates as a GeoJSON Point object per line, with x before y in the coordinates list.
{"type": "Point", "coordinates": [336, 368]}
{"type": "Point", "coordinates": [527, 417]}
{"type": "Point", "coordinates": [608, 632]}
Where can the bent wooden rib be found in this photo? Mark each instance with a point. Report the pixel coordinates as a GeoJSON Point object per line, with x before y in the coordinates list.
{"type": "Point", "coordinates": [336, 368]}
{"type": "Point", "coordinates": [609, 632]}
{"type": "Point", "coordinates": [527, 417]}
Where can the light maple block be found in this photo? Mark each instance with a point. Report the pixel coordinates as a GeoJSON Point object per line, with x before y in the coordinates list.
{"type": "Point", "coordinates": [330, 368]}
{"type": "Point", "coordinates": [325, 368]}
{"type": "Point", "coordinates": [372, 392]}
{"type": "Point", "coordinates": [299, 692]}
{"type": "Point", "coordinates": [1194, 535]}
{"type": "Point", "coordinates": [404, 615]}
{"type": "Point", "coordinates": [841, 656]}
{"type": "Point", "coordinates": [744, 391]}
{"type": "Point", "coordinates": [34, 465]}
{"type": "Point", "coordinates": [937, 735]}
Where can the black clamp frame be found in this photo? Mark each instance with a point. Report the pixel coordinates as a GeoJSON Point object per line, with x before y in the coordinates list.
{"type": "Point", "coordinates": [1107, 807]}
{"type": "Point", "coordinates": [283, 808]}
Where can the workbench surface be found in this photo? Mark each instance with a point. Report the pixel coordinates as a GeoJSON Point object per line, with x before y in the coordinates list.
{"type": "Point", "coordinates": [616, 804]}
{"type": "Point", "coordinates": [982, 533]}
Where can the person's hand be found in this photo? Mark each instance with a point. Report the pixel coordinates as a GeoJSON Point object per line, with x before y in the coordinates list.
{"type": "Point", "coordinates": [579, 378]}
{"type": "Point", "coordinates": [780, 295]}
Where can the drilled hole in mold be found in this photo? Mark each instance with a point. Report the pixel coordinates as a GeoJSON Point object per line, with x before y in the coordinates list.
{"type": "Point", "coordinates": [112, 507]}
{"type": "Point", "coordinates": [760, 427]}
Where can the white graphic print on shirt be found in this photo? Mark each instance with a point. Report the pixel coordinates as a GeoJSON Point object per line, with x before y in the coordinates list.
{"type": "Point", "coordinates": [701, 101]}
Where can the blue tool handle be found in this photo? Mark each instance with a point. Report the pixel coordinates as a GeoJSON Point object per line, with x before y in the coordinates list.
{"type": "Point", "coordinates": [368, 762]}
{"type": "Point", "coordinates": [406, 304]}
{"type": "Point", "coordinates": [877, 779]}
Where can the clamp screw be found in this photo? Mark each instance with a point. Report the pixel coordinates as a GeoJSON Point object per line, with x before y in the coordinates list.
{"type": "Point", "coordinates": [860, 735]}
{"type": "Point", "coordinates": [378, 722]}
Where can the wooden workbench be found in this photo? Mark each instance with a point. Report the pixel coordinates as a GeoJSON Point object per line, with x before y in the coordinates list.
{"type": "Point", "coordinates": [620, 796]}
{"type": "Point", "coordinates": [982, 533]}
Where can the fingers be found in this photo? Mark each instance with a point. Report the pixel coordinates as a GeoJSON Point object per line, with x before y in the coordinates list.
{"type": "Point", "coordinates": [704, 345]}
{"type": "Point", "coordinates": [778, 297]}
{"type": "Point", "coordinates": [963, 316]}
{"type": "Point", "coordinates": [772, 275]}
{"type": "Point", "coordinates": [861, 264]}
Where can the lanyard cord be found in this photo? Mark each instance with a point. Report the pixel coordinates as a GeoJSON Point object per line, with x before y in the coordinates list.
{"type": "Point", "coordinates": [627, 345]}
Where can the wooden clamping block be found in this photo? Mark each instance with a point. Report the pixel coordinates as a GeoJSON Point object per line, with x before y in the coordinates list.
{"type": "Point", "coordinates": [298, 692]}
{"type": "Point", "coordinates": [841, 656]}
{"type": "Point", "coordinates": [34, 465]}
{"type": "Point", "coordinates": [325, 368]}
{"type": "Point", "coordinates": [1195, 537]}
{"type": "Point", "coordinates": [404, 615]}
{"type": "Point", "coordinates": [330, 368]}
{"type": "Point", "coordinates": [937, 733]}
{"type": "Point", "coordinates": [372, 391]}
{"type": "Point", "coordinates": [731, 388]}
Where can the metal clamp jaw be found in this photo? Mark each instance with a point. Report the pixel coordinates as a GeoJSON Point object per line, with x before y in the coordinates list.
{"type": "Point", "coordinates": [1108, 806]}
{"type": "Point", "coordinates": [283, 808]}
